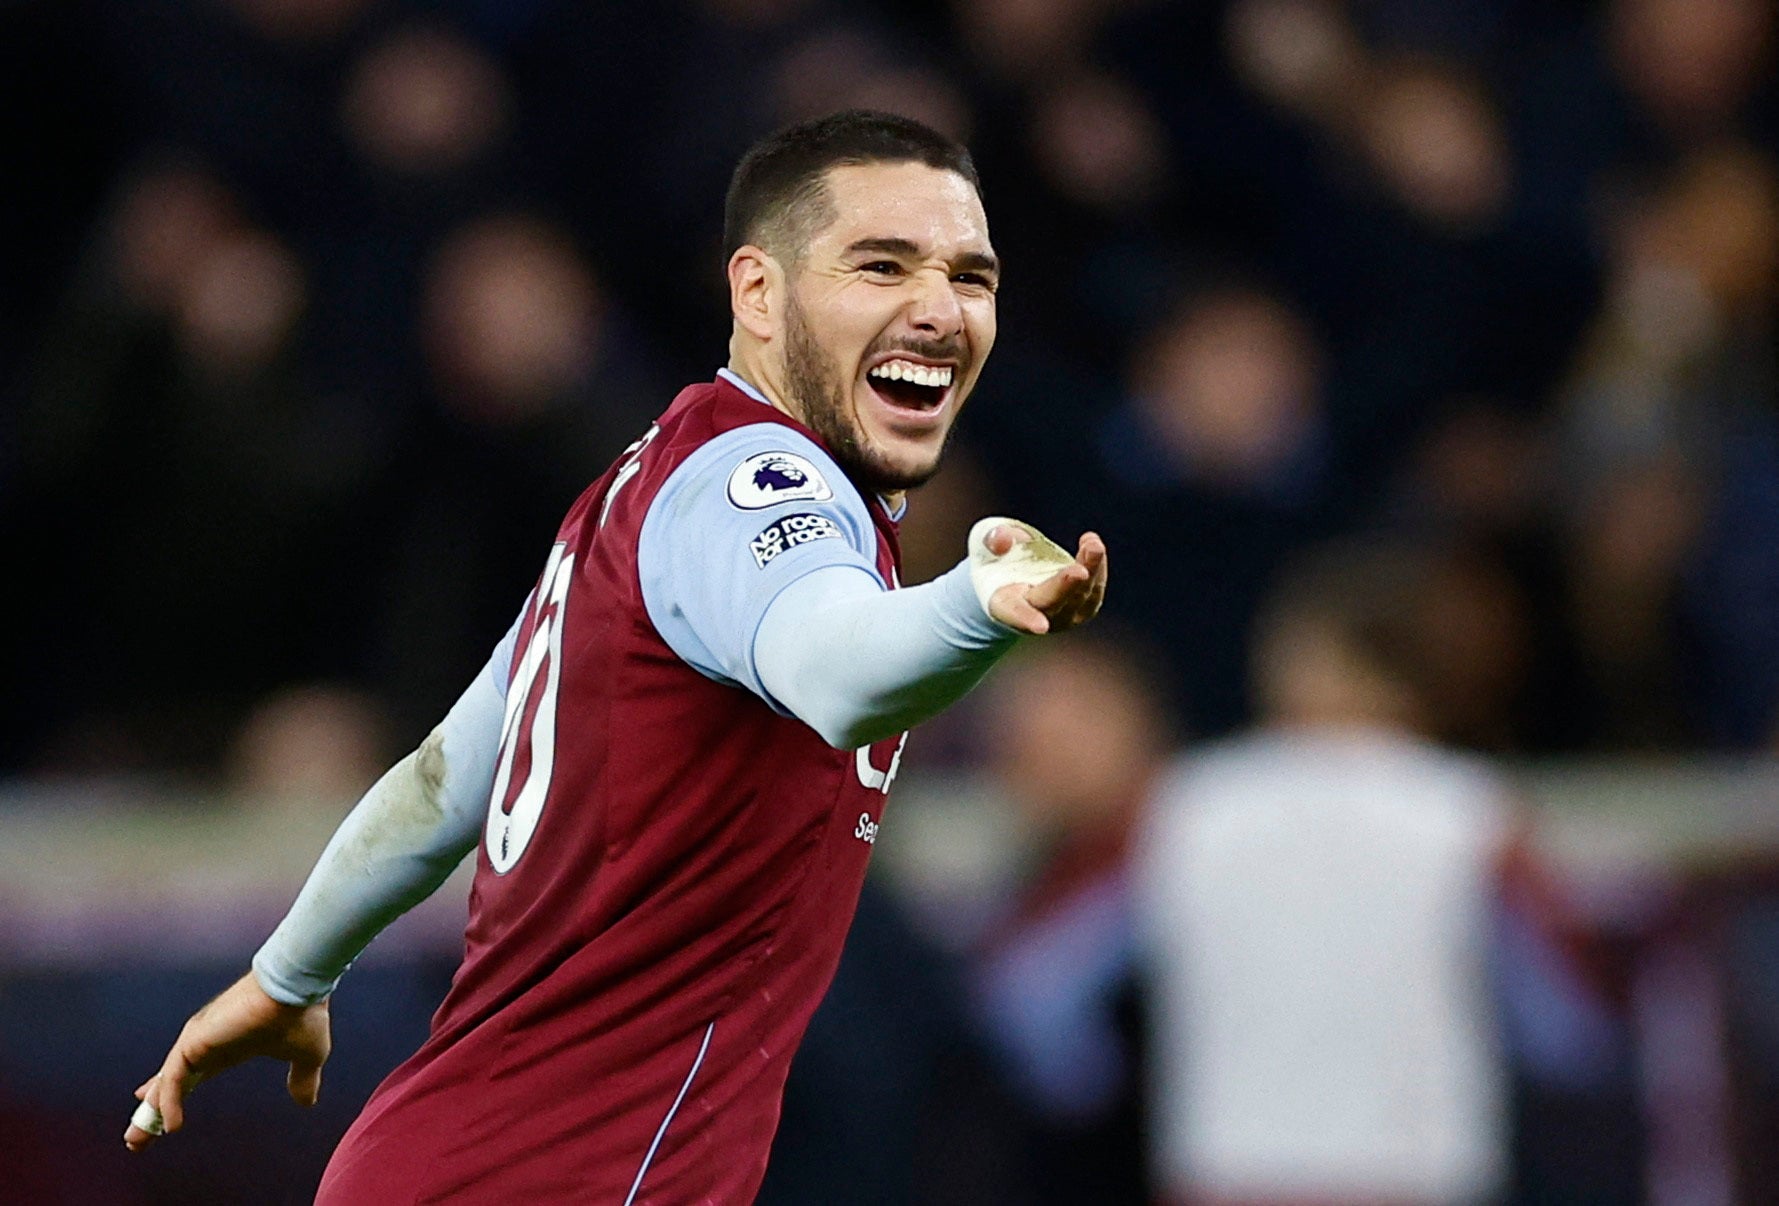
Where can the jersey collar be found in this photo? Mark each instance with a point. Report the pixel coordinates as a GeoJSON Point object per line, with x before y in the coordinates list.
{"type": "Point", "coordinates": [746, 387]}
{"type": "Point", "coordinates": [742, 384]}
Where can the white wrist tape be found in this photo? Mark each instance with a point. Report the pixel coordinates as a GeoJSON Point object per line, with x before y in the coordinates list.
{"type": "Point", "coordinates": [1027, 563]}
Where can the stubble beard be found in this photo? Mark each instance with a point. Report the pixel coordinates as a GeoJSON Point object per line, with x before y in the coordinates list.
{"type": "Point", "coordinates": [818, 391]}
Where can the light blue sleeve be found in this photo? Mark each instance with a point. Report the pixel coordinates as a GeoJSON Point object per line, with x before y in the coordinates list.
{"type": "Point", "coordinates": [858, 665]}
{"type": "Point", "coordinates": [743, 517]}
{"type": "Point", "coordinates": [398, 844]}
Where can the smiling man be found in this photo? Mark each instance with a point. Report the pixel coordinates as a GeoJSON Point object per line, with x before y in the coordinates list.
{"type": "Point", "coordinates": [675, 765]}
{"type": "Point", "coordinates": [873, 328]}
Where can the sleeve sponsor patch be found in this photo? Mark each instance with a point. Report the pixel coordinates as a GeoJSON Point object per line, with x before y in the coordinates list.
{"type": "Point", "coordinates": [770, 478]}
{"type": "Point", "coordinates": [789, 532]}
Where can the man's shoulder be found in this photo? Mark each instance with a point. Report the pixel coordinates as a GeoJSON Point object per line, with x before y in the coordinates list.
{"type": "Point", "coordinates": [708, 410]}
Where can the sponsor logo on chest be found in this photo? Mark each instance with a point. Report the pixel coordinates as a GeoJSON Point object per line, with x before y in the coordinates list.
{"type": "Point", "coordinates": [866, 829]}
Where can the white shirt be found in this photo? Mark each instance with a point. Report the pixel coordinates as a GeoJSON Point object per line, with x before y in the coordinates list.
{"type": "Point", "coordinates": [1316, 909]}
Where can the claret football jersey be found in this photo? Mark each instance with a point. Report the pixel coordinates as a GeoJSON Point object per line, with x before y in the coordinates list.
{"type": "Point", "coordinates": [671, 862]}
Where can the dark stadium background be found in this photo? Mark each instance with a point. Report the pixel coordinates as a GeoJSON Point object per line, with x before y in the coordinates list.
{"type": "Point", "coordinates": [316, 314]}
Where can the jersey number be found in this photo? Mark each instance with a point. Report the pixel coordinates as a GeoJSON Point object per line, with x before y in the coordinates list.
{"type": "Point", "coordinates": [528, 734]}
{"type": "Point", "coordinates": [630, 466]}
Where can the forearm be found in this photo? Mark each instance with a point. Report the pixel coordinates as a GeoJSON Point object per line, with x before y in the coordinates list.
{"type": "Point", "coordinates": [858, 663]}
{"type": "Point", "coordinates": [401, 841]}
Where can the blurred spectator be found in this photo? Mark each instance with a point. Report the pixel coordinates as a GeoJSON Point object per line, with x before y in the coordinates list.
{"type": "Point", "coordinates": [654, 176]}
{"type": "Point", "coordinates": [1076, 735]}
{"type": "Point", "coordinates": [823, 74]}
{"type": "Point", "coordinates": [1691, 65]}
{"type": "Point", "coordinates": [425, 117]}
{"type": "Point", "coordinates": [1473, 634]}
{"type": "Point", "coordinates": [165, 222]}
{"type": "Point", "coordinates": [1215, 467]}
{"type": "Point", "coordinates": [1414, 257]}
{"type": "Point", "coordinates": [1097, 144]}
{"type": "Point", "coordinates": [512, 323]}
{"type": "Point", "coordinates": [307, 747]}
{"type": "Point", "coordinates": [1669, 441]}
{"type": "Point", "coordinates": [1317, 902]}
{"type": "Point", "coordinates": [1481, 472]}
{"type": "Point", "coordinates": [1231, 389]}
{"type": "Point", "coordinates": [241, 304]}
{"type": "Point", "coordinates": [1302, 55]}
{"type": "Point", "coordinates": [424, 101]}
{"type": "Point", "coordinates": [1627, 546]}
{"type": "Point", "coordinates": [536, 381]}
{"type": "Point", "coordinates": [1436, 142]}
{"type": "Point", "coordinates": [187, 488]}
{"type": "Point", "coordinates": [248, 83]}
{"type": "Point", "coordinates": [1026, 40]}
{"type": "Point", "coordinates": [1602, 104]}
{"type": "Point", "coordinates": [1475, 486]}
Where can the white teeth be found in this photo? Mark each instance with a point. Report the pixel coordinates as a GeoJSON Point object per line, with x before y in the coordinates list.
{"type": "Point", "coordinates": [937, 377]}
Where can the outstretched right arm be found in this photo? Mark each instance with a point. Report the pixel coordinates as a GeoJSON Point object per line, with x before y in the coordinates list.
{"type": "Point", "coordinates": [399, 843]}
{"type": "Point", "coordinates": [396, 847]}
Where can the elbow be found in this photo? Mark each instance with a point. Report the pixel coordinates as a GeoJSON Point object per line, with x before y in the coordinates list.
{"type": "Point", "coordinates": [429, 766]}
{"type": "Point", "coordinates": [839, 735]}
{"type": "Point", "coordinates": [847, 722]}
{"type": "Point", "coordinates": [855, 732]}
{"type": "Point", "coordinates": [841, 728]}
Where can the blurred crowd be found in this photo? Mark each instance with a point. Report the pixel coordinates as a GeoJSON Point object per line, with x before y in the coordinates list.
{"type": "Point", "coordinates": [320, 311]}
{"type": "Point", "coordinates": [1416, 359]}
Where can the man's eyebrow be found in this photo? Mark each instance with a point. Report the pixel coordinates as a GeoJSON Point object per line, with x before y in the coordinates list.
{"type": "Point", "coordinates": [886, 245]}
{"type": "Point", "coordinates": [977, 261]}
{"type": "Point", "coordinates": [969, 261]}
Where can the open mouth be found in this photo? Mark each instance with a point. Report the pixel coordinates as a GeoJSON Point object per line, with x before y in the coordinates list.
{"type": "Point", "coordinates": [910, 386]}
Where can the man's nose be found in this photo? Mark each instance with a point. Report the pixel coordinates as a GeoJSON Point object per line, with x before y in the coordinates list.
{"type": "Point", "coordinates": [935, 308]}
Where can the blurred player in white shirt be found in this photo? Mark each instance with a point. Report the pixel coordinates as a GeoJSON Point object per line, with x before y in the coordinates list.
{"type": "Point", "coordinates": [1317, 899]}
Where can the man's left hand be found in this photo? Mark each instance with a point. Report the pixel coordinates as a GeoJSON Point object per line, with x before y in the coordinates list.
{"type": "Point", "coordinates": [1067, 599]}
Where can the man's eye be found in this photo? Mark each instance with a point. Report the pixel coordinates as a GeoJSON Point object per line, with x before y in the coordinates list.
{"type": "Point", "coordinates": [974, 278]}
{"type": "Point", "coordinates": [882, 268]}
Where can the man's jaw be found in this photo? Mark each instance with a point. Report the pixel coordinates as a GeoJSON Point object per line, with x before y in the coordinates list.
{"type": "Point", "coordinates": [879, 455]}
{"type": "Point", "coordinates": [884, 432]}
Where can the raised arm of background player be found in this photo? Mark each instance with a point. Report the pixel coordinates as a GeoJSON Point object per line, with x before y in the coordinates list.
{"type": "Point", "coordinates": [834, 648]}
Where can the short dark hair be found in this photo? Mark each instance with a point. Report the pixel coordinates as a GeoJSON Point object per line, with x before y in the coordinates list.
{"type": "Point", "coordinates": [1370, 595]}
{"type": "Point", "coordinates": [777, 197]}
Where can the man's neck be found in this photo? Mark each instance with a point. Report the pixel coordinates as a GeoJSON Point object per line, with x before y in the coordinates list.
{"type": "Point", "coordinates": [756, 380]}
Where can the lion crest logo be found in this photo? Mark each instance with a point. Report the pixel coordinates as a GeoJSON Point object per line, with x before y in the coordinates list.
{"type": "Point", "coordinates": [781, 474]}
{"type": "Point", "coordinates": [769, 478]}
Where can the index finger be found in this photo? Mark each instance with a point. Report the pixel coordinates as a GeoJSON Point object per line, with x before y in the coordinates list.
{"type": "Point", "coordinates": [170, 1087]}
{"type": "Point", "coordinates": [1092, 553]}
{"type": "Point", "coordinates": [1093, 556]}
{"type": "Point", "coordinates": [1090, 558]}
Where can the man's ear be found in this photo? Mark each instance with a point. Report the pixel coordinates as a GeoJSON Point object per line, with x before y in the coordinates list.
{"type": "Point", "coordinates": [756, 289]}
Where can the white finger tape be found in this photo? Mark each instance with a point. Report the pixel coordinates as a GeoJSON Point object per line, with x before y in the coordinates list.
{"type": "Point", "coordinates": [147, 1118]}
{"type": "Point", "coordinates": [1027, 563]}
